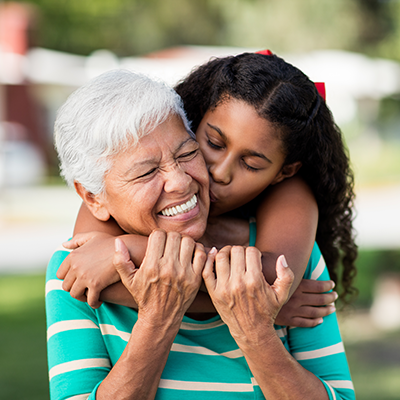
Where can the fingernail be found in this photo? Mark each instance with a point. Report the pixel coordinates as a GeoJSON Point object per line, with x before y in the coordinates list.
{"type": "Point", "coordinates": [336, 295]}
{"type": "Point", "coordinates": [320, 321]}
{"type": "Point", "coordinates": [213, 251]}
{"type": "Point", "coordinates": [333, 284]}
{"type": "Point", "coordinates": [117, 245]}
{"type": "Point", "coordinates": [332, 309]}
{"type": "Point", "coordinates": [283, 261]}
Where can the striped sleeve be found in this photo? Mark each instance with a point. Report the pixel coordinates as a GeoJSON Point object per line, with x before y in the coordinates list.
{"type": "Point", "coordinates": [320, 349]}
{"type": "Point", "coordinates": [77, 358]}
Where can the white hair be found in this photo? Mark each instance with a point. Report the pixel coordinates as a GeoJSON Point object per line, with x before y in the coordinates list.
{"type": "Point", "coordinates": [102, 117]}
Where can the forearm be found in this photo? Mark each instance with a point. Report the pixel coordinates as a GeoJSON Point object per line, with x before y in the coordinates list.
{"type": "Point", "coordinates": [119, 294]}
{"type": "Point", "coordinates": [278, 374]}
{"type": "Point", "coordinates": [86, 222]}
{"type": "Point", "coordinates": [138, 371]}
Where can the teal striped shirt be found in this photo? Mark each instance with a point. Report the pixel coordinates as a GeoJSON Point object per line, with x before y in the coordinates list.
{"type": "Point", "coordinates": [204, 363]}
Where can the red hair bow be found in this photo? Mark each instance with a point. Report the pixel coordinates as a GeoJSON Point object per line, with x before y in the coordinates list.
{"type": "Point", "coordinates": [320, 86]}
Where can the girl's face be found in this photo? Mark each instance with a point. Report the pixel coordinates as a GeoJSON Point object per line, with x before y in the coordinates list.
{"type": "Point", "coordinates": [242, 152]}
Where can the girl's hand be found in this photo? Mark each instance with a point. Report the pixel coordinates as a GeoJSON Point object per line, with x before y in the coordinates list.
{"type": "Point", "coordinates": [88, 269]}
{"type": "Point", "coordinates": [308, 304]}
{"type": "Point", "coordinates": [242, 296]}
{"type": "Point", "coordinates": [168, 279]}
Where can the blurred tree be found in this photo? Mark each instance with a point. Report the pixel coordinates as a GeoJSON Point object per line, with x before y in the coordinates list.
{"type": "Point", "coordinates": [131, 27]}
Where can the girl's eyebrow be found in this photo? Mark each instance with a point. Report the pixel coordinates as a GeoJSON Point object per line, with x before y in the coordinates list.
{"type": "Point", "coordinates": [248, 152]}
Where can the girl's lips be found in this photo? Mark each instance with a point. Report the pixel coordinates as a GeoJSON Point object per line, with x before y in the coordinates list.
{"type": "Point", "coordinates": [213, 199]}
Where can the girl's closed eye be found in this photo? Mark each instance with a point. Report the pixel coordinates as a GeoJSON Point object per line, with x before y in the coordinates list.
{"type": "Point", "coordinates": [249, 168]}
{"type": "Point", "coordinates": [213, 145]}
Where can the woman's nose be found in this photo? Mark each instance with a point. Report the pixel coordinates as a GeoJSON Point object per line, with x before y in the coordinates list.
{"type": "Point", "coordinates": [177, 180]}
{"type": "Point", "coordinates": [221, 171]}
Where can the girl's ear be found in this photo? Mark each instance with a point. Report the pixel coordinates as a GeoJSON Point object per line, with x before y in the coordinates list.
{"type": "Point", "coordinates": [287, 171]}
{"type": "Point", "coordinates": [94, 202]}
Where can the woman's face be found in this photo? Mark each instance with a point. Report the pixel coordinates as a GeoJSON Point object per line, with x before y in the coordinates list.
{"type": "Point", "coordinates": [160, 183]}
{"type": "Point", "coordinates": [242, 152]}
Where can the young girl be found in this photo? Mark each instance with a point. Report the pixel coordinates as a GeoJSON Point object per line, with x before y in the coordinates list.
{"type": "Point", "coordinates": [258, 121]}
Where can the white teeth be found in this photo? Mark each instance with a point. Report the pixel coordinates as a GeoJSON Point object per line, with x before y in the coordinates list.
{"type": "Point", "coordinates": [182, 208]}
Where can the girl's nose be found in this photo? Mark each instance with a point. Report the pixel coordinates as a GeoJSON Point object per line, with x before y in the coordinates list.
{"type": "Point", "coordinates": [221, 171]}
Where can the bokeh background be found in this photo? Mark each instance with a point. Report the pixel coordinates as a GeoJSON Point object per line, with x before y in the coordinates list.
{"type": "Point", "coordinates": [48, 48]}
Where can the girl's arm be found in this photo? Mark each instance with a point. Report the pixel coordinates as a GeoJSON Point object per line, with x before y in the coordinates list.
{"type": "Point", "coordinates": [100, 282]}
{"type": "Point", "coordinates": [86, 222]}
{"type": "Point", "coordinates": [287, 220]}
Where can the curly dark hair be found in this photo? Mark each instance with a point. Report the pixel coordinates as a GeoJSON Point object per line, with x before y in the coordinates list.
{"type": "Point", "coordinates": [284, 96]}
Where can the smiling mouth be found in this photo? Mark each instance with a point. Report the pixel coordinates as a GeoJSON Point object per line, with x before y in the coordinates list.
{"type": "Point", "coordinates": [181, 209]}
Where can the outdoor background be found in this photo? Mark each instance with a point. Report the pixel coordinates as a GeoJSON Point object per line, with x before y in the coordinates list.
{"type": "Point", "coordinates": [50, 47]}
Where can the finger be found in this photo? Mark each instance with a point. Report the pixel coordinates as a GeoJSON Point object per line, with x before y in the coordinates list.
{"type": "Point", "coordinates": [123, 264]}
{"type": "Point", "coordinates": [64, 268]}
{"type": "Point", "coordinates": [315, 299]}
{"type": "Point", "coordinates": [313, 286]}
{"type": "Point", "coordinates": [305, 322]}
{"type": "Point", "coordinates": [283, 281]}
{"type": "Point", "coordinates": [199, 259]}
{"type": "Point", "coordinates": [222, 264]}
{"type": "Point", "coordinates": [187, 251]}
{"type": "Point", "coordinates": [93, 298]}
{"type": "Point", "coordinates": [253, 260]}
{"type": "Point", "coordinates": [315, 312]}
{"type": "Point", "coordinates": [238, 262]}
{"type": "Point", "coordinates": [155, 246]}
{"type": "Point", "coordinates": [172, 246]}
{"type": "Point", "coordinates": [68, 282]}
{"type": "Point", "coordinates": [78, 291]}
{"type": "Point", "coordinates": [208, 271]}
{"type": "Point", "coordinates": [78, 240]}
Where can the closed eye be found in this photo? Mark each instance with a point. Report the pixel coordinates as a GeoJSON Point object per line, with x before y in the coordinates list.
{"type": "Point", "coordinates": [148, 173]}
{"type": "Point", "coordinates": [189, 156]}
{"type": "Point", "coordinates": [213, 145]}
{"type": "Point", "coordinates": [249, 168]}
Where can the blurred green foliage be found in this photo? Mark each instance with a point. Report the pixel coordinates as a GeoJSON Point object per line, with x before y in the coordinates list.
{"type": "Point", "coordinates": [370, 265]}
{"type": "Point", "coordinates": [131, 27]}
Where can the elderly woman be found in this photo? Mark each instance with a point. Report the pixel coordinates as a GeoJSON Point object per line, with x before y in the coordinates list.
{"type": "Point", "coordinates": [132, 163]}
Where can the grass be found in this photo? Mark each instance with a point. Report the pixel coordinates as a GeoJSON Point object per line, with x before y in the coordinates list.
{"type": "Point", "coordinates": [374, 363]}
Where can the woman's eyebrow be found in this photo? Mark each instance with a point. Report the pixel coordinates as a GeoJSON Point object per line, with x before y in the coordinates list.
{"type": "Point", "coordinates": [247, 152]}
{"type": "Point", "coordinates": [133, 169]}
{"type": "Point", "coordinates": [182, 144]}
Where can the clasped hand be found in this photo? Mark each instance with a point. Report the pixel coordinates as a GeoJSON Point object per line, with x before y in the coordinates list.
{"type": "Point", "coordinates": [169, 277]}
{"type": "Point", "coordinates": [242, 296]}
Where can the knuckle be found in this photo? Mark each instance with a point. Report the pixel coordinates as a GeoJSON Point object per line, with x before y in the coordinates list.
{"type": "Point", "coordinates": [253, 250]}
{"type": "Point", "coordinates": [158, 233]}
{"type": "Point", "coordinates": [174, 235]}
{"type": "Point", "coordinates": [315, 312]}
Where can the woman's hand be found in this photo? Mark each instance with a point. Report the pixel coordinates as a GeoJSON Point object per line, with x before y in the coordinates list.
{"type": "Point", "coordinates": [88, 268]}
{"type": "Point", "coordinates": [308, 304]}
{"type": "Point", "coordinates": [168, 279]}
{"type": "Point", "coordinates": [242, 296]}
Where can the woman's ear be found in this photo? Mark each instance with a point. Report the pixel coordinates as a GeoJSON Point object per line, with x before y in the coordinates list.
{"type": "Point", "coordinates": [287, 171]}
{"type": "Point", "coordinates": [94, 202]}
